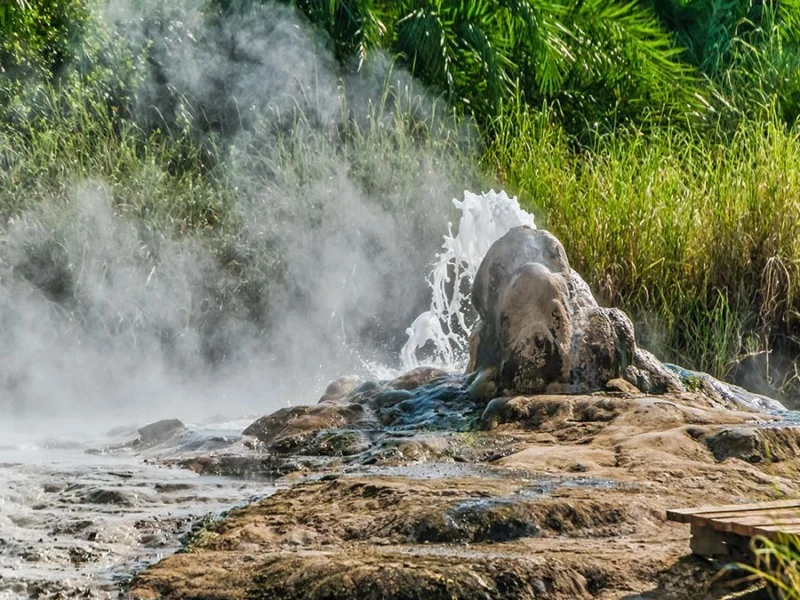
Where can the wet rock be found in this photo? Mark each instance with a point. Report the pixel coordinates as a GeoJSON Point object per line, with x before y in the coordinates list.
{"type": "Point", "coordinates": [339, 389]}
{"type": "Point", "coordinates": [576, 486]}
{"type": "Point", "coordinates": [444, 404]}
{"type": "Point", "coordinates": [739, 443]}
{"type": "Point", "coordinates": [387, 399]}
{"type": "Point", "coordinates": [426, 399]}
{"type": "Point", "coordinates": [338, 443]}
{"type": "Point", "coordinates": [399, 577]}
{"type": "Point", "coordinates": [542, 329]}
{"type": "Point", "coordinates": [621, 386]}
{"type": "Point", "coordinates": [416, 378]}
{"type": "Point", "coordinates": [109, 496]}
{"type": "Point", "coordinates": [550, 412]}
{"type": "Point", "coordinates": [300, 423]}
{"type": "Point", "coordinates": [247, 467]}
{"type": "Point", "coordinates": [475, 521]}
{"type": "Point", "coordinates": [755, 445]}
{"type": "Point", "coordinates": [394, 450]}
{"type": "Point", "coordinates": [728, 395]}
{"type": "Point", "coordinates": [650, 375]}
{"type": "Point", "coordinates": [72, 527]}
{"type": "Point", "coordinates": [155, 539]}
{"type": "Point", "coordinates": [80, 556]}
{"type": "Point", "coordinates": [160, 430]}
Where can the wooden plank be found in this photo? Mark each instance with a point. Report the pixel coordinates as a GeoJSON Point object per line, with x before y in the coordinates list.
{"type": "Point", "coordinates": [705, 510]}
{"type": "Point", "coordinates": [754, 517]}
{"type": "Point", "coordinates": [761, 519]}
{"type": "Point", "coordinates": [739, 523]}
{"type": "Point", "coordinates": [743, 514]}
{"type": "Point", "coordinates": [746, 530]}
{"type": "Point", "coordinates": [714, 526]}
{"type": "Point", "coordinates": [687, 515]}
{"type": "Point", "coordinates": [778, 528]}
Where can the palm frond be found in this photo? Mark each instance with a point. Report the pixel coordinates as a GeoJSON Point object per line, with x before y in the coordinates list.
{"type": "Point", "coordinates": [421, 37]}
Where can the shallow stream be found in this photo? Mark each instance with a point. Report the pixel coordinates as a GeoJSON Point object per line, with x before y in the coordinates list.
{"type": "Point", "coordinates": [76, 524]}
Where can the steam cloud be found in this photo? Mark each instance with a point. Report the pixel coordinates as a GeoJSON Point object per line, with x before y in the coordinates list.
{"type": "Point", "coordinates": [109, 316]}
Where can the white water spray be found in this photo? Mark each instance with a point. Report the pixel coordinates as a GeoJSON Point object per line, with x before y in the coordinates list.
{"type": "Point", "coordinates": [443, 331]}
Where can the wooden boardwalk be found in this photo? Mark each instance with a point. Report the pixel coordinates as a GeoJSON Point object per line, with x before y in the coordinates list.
{"type": "Point", "coordinates": [720, 531]}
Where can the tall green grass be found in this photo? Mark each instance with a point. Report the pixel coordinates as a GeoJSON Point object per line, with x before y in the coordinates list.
{"type": "Point", "coordinates": [777, 565]}
{"type": "Point", "coordinates": [696, 235]}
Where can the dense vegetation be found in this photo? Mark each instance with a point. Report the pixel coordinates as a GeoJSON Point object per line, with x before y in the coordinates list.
{"type": "Point", "coordinates": [657, 139]}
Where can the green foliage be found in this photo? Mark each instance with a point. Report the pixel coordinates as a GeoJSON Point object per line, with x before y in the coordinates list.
{"type": "Point", "coordinates": [37, 37]}
{"type": "Point", "coordinates": [763, 74]}
{"type": "Point", "coordinates": [777, 565]}
{"type": "Point", "coordinates": [750, 52]}
{"type": "Point", "coordinates": [601, 61]}
{"type": "Point", "coordinates": [694, 235]}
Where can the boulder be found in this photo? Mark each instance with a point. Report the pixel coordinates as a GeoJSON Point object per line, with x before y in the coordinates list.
{"type": "Point", "coordinates": [339, 389]}
{"type": "Point", "coordinates": [304, 422]}
{"type": "Point", "coordinates": [160, 430]}
{"type": "Point", "coordinates": [541, 330]}
{"type": "Point", "coordinates": [416, 378]}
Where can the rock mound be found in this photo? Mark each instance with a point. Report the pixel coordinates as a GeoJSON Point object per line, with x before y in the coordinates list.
{"type": "Point", "coordinates": [542, 331]}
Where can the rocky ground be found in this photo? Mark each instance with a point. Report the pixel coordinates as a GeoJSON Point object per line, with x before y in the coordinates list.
{"type": "Point", "coordinates": [418, 488]}
{"type": "Point", "coordinates": [544, 472]}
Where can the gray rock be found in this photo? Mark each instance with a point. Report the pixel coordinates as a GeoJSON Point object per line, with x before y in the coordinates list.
{"type": "Point", "coordinates": [541, 329]}
{"type": "Point", "coordinates": [301, 423]}
{"type": "Point", "coordinates": [416, 378]}
{"type": "Point", "coordinates": [340, 388]}
{"type": "Point", "coordinates": [739, 442]}
{"type": "Point", "coordinates": [119, 497]}
{"type": "Point", "coordinates": [160, 430]}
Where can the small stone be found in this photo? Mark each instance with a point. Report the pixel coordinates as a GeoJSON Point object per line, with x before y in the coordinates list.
{"type": "Point", "coordinates": [622, 386]}
{"type": "Point", "coordinates": [739, 442]}
{"type": "Point", "coordinates": [339, 389]}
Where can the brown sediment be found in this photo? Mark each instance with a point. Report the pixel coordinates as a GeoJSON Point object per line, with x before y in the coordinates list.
{"type": "Point", "coordinates": [555, 497]}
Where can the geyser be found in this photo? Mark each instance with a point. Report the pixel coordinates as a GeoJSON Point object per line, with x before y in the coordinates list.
{"type": "Point", "coordinates": [541, 330]}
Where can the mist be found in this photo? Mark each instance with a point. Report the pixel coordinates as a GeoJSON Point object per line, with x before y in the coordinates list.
{"type": "Point", "coordinates": [110, 316]}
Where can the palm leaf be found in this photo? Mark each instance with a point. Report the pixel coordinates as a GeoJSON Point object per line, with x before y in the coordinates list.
{"type": "Point", "coordinates": [421, 37]}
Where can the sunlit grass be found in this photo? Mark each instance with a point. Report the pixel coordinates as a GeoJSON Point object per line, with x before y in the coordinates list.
{"type": "Point", "coordinates": [777, 565]}
{"type": "Point", "coordinates": [697, 236]}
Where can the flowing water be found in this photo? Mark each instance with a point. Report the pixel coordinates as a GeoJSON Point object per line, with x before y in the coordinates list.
{"type": "Point", "coordinates": [441, 334]}
{"type": "Point", "coordinates": [76, 522]}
